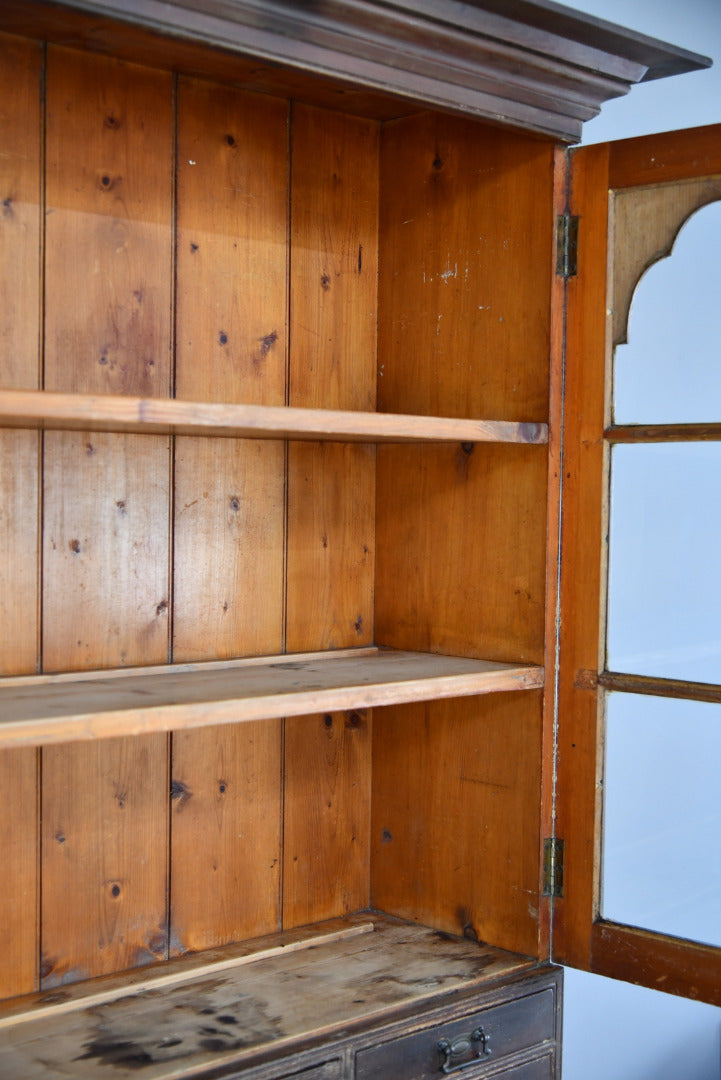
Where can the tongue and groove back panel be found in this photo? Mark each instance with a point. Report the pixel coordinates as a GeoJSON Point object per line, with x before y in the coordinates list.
{"type": "Point", "coordinates": [164, 235]}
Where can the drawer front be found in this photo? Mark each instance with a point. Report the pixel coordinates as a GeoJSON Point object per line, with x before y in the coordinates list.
{"type": "Point", "coordinates": [538, 1069]}
{"type": "Point", "coordinates": [328, 1070]}
{"type": "Point", "coordinates": [474, 1041]}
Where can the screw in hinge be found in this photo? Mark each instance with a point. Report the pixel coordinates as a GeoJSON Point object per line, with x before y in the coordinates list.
{"type": "Point", "coordinates": [553, 850]}
{"type": "Point", "coordinates": [567, 245]}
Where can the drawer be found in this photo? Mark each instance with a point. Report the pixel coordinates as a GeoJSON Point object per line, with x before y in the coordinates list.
{"type": "Point", "coordinates": [498, 1030]}
{"type": "Point", "coordinates": [327, 1070]}
{"type": "Point", "coordinates": [538, 1069]}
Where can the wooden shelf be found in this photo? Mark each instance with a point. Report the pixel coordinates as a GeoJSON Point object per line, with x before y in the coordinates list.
{"type": "Point", "coordinates": [95, 412]}
{"type": "Point", "coordinates": [361, 969]}
{"type": "Point", "coordinates": [36, 710]}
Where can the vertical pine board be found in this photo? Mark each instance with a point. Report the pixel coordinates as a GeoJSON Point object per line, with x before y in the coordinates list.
{"type": "Point", "coordinates": [107, 329]}
{"type": "Point", "coordinates": [104, 857]}
{"type": "Point", "coordinates": [231, 346]}
{"type": "Point", "coordinates": [19, 337]}
{"type": "Point", "coordinates": [225, 863]}
{"type": "Point", "coordinates": [20, 215]}
{"type": "Point", "coordinates": [327, 803]}
{"type": "Point", "coordinates": [332, 365]}
{"type": "Point", "coordinates": [331, 495]}
{"type": "Point", "coordinates": [455, 825]}
{"type": "Point", "coordinates": [230, 502]}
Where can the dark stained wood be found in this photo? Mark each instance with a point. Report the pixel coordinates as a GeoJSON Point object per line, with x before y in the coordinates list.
{"type": "Point", "coordinates": [540, 68]}
{"type": "Point", "coordinates": [579, 720]}
{"type": "Point", "coordinates": [639, 956]}
{"type": "Point", "coordinates": [672, 688]}
{"type": "Point", "coordinates": [455, 823]}
{"type": "Point", "coordinates": [632, 433]}
{"type": "Point", "coordinates": [661, 159]}
{"type": "Point", "coordinates": [106, 513]}
{"type": "Point", "coordinates": [327, 816]}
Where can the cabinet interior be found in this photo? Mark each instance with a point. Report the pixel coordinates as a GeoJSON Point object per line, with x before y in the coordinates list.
{"type": "Point", "coordinates": [178, 238]}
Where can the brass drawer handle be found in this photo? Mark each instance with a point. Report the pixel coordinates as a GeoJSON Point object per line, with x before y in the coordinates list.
{"type": "Point", "coordinates": [465, 1044]}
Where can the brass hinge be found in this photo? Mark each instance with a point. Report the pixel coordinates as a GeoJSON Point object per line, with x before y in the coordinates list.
{"type": "Point", "coordinates": [567, 245]}
{"type": "Point", "coordinates": [553, 866]}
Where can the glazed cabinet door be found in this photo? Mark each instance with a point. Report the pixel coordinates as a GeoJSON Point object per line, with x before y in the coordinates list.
{"type": "Point", "coordinates": [640, 661]}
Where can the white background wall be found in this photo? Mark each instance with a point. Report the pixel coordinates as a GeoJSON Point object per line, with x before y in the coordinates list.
{"type": "Point", "coordinates": [614, 1031]}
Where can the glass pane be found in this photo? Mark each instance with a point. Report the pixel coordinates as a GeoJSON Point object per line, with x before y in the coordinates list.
{"type": "Point", "coordinates": [664, 601]}
{"type": "Point", "coordinates": [662, 825]}
{"type": "Point", "coordinates": [670, 370]}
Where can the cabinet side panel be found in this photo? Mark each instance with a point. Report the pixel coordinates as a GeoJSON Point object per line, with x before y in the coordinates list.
{"type": "Point", "coordinates": [334, 215]}
{"type": "Point", "coordinates": [455, 816]}
{"type": "Point", "coordinates": [327, 814]}
{"type": "Point", "coordinates": [229, 502]}
{"type": "Point", "coordinates": [106, 504]}
{"type": "Point", "coordinates": [464, 329]}
{"type": "Point", "coordinates": [20, 241]}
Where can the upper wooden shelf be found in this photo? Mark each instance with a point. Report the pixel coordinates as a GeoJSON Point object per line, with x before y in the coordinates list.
{"type": "Point", "coordinates": [96, 412]}
{"type": "Point", "coordinates": [40, 709]}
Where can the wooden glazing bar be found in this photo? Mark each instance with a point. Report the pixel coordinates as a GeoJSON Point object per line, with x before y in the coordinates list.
{"type": "Point", "coordinates": [657, 433]}
{"type": "Point", "coordinates": [673, 688]}
{"type": "Point", "coordinates": [130, 703]}
{"type": "Point", "coordinates": [90, 412]}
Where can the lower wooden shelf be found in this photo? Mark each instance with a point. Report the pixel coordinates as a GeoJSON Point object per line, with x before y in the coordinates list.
{"type": "Point", "coordinates": [221, 1013]}
{"type": "Point", "coordinates": [36, 710]}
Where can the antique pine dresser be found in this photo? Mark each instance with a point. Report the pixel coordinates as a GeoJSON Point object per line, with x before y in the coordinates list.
{"type": "Point", "coordinates": [284, 293]}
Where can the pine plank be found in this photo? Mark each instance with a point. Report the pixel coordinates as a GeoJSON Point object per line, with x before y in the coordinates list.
{"type": "Point", "coordinates": [104, 858]}
{"type": "Point", "coordinates": [232, 233]}
{"type": "Point", "coordinates": [232, 193]}
{"type": "Point", "coordinates": [58, 710]}
{"type": "Point", "coordinates": [161, 1034]}
{"type": "Point", "coordinates": [88, 412]}
{"type": "Point", "coordinates": [20, 246]}
{"type": "Point", "coordinates": [106, 543]}
{"type": "Point", "coordinates": [331, 489]}
{"type": "Point", "coordinates": [327, 816]}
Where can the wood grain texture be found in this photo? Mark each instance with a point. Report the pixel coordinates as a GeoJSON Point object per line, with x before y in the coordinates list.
{"type": "Point", "coordinates": [331, 489]}
{"type": "Point", "coordinates": [104, 855]}
{"type": "Point", "coordinates": [687, 968]}
{"type": "Point", "coordinates": [19, 913]}
{"type": "Point", "coordinates": [659, 159]}
{"type": "Point", "coordinates": [20, 247]}
{"type": "Point", "coordinates": [225, 834]}
{"type": "Point", "coordinates": [464, 290]}
{"type": "Point", "coordinates": [461, 550]}
{"type": "Point", "coordinates": [327, 816]}
{"type": "Point", "coordinates": [106, 538]}
{"type": "Point", "coordinates": [350, 981]}
{"type": "Point", "coordinates": [89, 412]}
{"type": "Point", "coordinates": [150, 700]}
{"type": "Point", "coordinates": [455, 823]}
